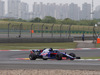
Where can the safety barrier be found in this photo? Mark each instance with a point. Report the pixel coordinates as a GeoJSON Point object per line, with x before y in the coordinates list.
{"type": "Point", "coordinates": [35, 40]}
{"type": "Point", "coordinates": [98, 40]}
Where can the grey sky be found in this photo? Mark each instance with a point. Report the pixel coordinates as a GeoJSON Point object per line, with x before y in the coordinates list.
{"type": "Point", "coordinates": [79, 2]}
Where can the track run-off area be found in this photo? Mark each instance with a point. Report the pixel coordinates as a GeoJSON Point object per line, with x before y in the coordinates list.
{"type": "Point", "coordinates": [18, 59]}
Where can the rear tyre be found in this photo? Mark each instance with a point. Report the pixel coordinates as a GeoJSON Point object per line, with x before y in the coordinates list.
{"type": "Point", "coordinates": [32, 56]}
{"type": "Point", "coordinates": [59, 56]}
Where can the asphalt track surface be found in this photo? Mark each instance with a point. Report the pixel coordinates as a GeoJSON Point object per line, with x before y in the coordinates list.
{"type": "Point", "coordinates": [8, 61]}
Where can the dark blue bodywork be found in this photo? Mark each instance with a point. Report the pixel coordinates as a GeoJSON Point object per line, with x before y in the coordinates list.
{"type": "Point", "coordinates": [51, 54]}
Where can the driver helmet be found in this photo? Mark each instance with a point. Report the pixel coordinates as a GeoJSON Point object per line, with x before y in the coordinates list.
{"type": "Point", "coordinates": [44, 48]}
{"type": "Point", "coordinates": [50, 49]}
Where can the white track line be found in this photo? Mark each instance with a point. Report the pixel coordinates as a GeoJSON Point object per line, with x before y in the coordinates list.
{"type": "Point", "coordinates": [63, 59]}
{"type": "Point", "coordinates": [58, 49]}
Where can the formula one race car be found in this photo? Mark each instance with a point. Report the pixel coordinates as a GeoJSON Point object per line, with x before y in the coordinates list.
{"type": "Point", "coordinates": [49, 53]}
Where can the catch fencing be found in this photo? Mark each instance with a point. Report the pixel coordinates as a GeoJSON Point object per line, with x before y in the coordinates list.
{"type": "Point", "coordinates": [34, 31]}
{"type": "Point", "coordinates": [23, 30]}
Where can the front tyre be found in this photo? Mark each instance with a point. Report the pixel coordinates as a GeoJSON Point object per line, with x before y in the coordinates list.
{"type": "Point", "coordinates": [32, 56]}
{"type": "Point", "coordinates": [73, 55]}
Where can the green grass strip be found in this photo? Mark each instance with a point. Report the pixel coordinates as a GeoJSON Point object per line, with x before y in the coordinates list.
{"type": "Point", "coordinates": [97, 45]}
{"type": "Point", "coordinates": [90, 57]}
{"type": "Point", "coordinates": [15, 46]}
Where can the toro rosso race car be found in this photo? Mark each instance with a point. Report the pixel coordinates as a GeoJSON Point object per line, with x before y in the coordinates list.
{"type": "Point", "coordinates": [49, 53]}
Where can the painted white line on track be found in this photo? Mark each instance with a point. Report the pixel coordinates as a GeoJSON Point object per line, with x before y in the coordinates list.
{"type": "Point", "coordinates": [88, 59]}
{"type": "Point", "coordinates": [58, 49]}
{"type": "Point", "coordinates": [62, 59]}
{"type": "Point", "coordinates": [15, 50]}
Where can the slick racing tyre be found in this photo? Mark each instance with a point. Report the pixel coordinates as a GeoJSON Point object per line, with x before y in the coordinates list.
{"type": "Point", "coordinates": [59, 56]}
{"type": "Point", "coordinates": [45, 59]}
{"type": "Point", "coordinates": [32, 56]}
{"type": "Point", "coordinates": [72, 54]}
